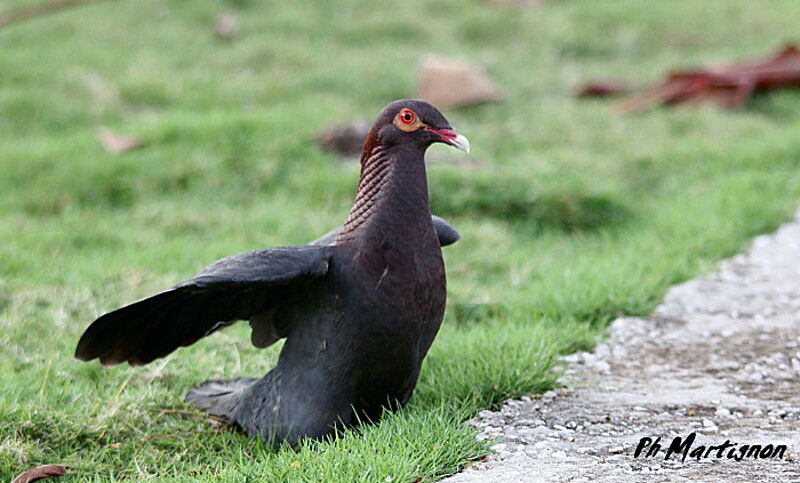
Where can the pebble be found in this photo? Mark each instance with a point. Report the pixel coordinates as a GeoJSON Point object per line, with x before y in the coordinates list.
{"type": "Point", "coordinates": [734, 354]}
{"type": "Point", "coordinates": [530, 422]}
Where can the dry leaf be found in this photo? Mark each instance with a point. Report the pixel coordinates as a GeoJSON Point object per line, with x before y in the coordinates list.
{"type": "Point", "coordinates": [602, 89]}
{"type": "Point", "coordinates": [448, 83]}
{"type": "Point", "coordinates": [40, 472]}
{"type": "Point", "coordinates": [118, 143]}
{"type": "Point", "coordinates": [226, 26]}
{"type": "Point", "coordinates": [729, 87]}
{"type": "Point", "coordinates": [346, 139]}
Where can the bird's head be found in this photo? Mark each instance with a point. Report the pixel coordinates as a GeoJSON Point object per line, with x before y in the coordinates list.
{"type": "Point", "coordinates": [412, 122]}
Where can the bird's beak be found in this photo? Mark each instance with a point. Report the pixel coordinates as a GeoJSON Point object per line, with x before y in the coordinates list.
{"type": "Point", "coordinates": [448, 136]}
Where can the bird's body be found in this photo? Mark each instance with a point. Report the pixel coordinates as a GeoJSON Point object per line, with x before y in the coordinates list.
{"type": "Point", "coordinates": [359, 308]}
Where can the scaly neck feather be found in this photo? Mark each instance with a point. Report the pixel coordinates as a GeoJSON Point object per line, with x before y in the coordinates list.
{"type": "Point", "coordinates": [392, 192]}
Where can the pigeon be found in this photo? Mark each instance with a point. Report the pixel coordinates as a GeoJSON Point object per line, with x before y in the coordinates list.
{"type": "Point", "coordinates": [359, 307]}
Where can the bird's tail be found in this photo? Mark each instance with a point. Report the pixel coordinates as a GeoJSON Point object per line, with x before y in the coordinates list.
{"type": "Point", "coordinates": [218, 398]}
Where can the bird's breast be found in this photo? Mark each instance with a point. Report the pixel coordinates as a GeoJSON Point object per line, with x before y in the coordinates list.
{"type": "Point", "coordinates": [397, 280]}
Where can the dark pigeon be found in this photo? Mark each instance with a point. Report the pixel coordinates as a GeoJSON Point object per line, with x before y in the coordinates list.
{"type": "Point", "coordinates": [359, 307]}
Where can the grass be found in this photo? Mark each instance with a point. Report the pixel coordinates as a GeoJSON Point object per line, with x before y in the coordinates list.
{"type": "Point", "coordinates": [570, 216]}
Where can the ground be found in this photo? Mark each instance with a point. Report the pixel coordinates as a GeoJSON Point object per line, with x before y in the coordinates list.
{"type": "Point", "coordinates": [720, 357]}
{"type": "Point", "coordinates": [571, 216]}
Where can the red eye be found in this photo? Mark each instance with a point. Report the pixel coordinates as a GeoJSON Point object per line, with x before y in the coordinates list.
{"type": "Point", "coordinates": [407, 116]}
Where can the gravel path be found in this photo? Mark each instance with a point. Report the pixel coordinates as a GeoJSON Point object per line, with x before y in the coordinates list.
{"type": "Point", "coordinates": [720, 357]}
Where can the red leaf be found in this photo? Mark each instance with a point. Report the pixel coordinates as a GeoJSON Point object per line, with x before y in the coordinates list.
{"type": "Point", "coordinates": [40, 472]}
{"type": "Point", "coordinates": [729, 87]}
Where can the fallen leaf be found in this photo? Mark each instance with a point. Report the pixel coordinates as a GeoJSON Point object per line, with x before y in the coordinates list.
{"type": "Point", "coordinates": [295, 464]}
{"type": "Point", "coordinates": [448, 83]}
{"type": "Point", "coordinates": [345, 139]}
{"type": "Point", "coordinates": [602, 89]}
{"type": "Point", "coordinates": [729, 87]}
{"type": "Point", "coordinates": [118, 143]}
{"type": "Point", "coordinates": [40, 472]}
{"type": "Point", "coordinates": [226, 26]}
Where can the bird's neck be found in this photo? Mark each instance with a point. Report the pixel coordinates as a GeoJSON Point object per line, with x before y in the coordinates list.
{"type": "Point", "coordinates": [392, 196]}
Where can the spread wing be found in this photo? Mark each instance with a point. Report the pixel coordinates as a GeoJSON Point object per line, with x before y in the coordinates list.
{"type": "Point", "coordinates": [447, 234]}
{"type": "Point", "coordinates": [249, 286]}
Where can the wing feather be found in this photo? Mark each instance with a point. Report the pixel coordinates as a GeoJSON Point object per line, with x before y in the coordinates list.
{"type": "Point", "coordinates": [444, 230]}
{"type": "Point", "coordinates": [239, 287]}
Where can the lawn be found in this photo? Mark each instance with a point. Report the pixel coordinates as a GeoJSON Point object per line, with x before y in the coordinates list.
{"type": "Point", "coordinates": [570, 215]}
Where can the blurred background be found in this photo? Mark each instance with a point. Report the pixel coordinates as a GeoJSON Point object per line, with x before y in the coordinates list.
{"type": "Point", "coordinates": [141, 140]}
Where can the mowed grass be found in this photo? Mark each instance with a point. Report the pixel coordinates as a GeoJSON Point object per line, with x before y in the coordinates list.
{"type": "Point", "coordinates": [570, 215]}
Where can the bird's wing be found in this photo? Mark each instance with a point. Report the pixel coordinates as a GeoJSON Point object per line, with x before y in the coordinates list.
{"type": "Point", "coordinates": [444, 230]}
{"type": "Point", "coordinates": [248, 286]}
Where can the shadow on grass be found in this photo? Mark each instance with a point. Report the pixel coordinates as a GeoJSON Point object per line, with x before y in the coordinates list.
{"type": "Point", "coordinates": [523, 204]}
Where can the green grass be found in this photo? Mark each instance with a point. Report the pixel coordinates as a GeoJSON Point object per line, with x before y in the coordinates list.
{"type": "Point", "coordinates": [570, 215]}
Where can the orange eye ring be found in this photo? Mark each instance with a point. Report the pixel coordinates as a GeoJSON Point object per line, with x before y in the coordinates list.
{"type": "Point", "coordinates": [407, 120]}
{"type": "Point", "coordinates": [407, 116]}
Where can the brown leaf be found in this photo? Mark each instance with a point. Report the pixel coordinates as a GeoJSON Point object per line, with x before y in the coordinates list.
{"type": "Point", "coordinates": [728, 87]}
{"type": "Point", "coordinates": [345, 139]}
{"type": "Point", "coordinates": [226, 26]}
{"type": "Point", "coordinates": [448, 83]}
{"type": "Point", "coordinates": [118, 143]}
{"type": "Point", "coordinates": [40, 472]}
{"type": "Point", "coordinates": [602, 89]}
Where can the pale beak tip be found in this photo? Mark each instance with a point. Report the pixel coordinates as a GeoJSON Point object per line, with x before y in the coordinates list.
{"type": "Point", "coordinates": [461, 142]}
